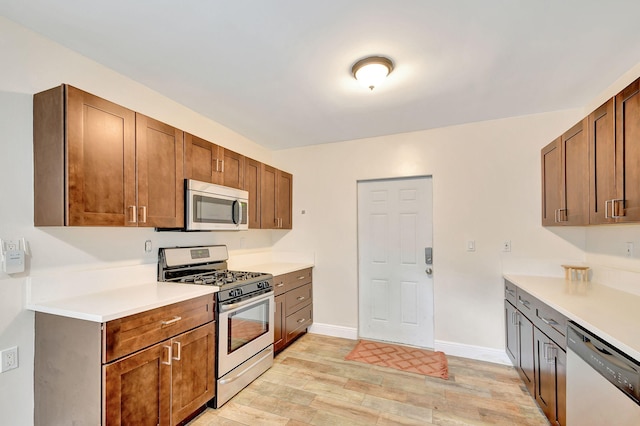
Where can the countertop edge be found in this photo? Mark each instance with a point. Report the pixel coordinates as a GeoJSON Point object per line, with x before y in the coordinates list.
{"type": "Point", "coordinates": [599, 330]}
{"type": "Point", "coordinates": [147, 299]}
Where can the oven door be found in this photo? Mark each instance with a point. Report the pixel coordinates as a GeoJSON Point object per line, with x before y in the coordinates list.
{"type": "Point", "coordinates": [206, 211]}
{"type": "Point", "coordinates": [245, 328]}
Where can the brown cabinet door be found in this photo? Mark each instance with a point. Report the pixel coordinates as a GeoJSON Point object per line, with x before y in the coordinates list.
{"type": "Point", "coordinates": [602, 151]}
{"type": "Point", "coordinates": [192, 378]}
{"type": "Point", "coordinates": [233, 169]}
{"type": "Point", "coordinates": [159, 161]}
{"type": "Point", "coordinates": [560, 417]}
{"type": "Point", "coordinates": [202, 160]}
{"type": "Point", "coordinates": [511, 332]}
{"type": "Point", "coordinates": [100, 161]}
{"type": "Point", "coordinates": [628, 153]}
{"type": "Point", "coordinates": [526, 361]}
{"type": "Point", "coordinates": [284, 199]}
{"type": "Point", "coordinates": [279, 323]}
{"type": "Point", "coordinates": [268, 207]}
{"type": "Point", "coordinates": [574, 199]}
{"type": "Point", "coordinates": [544, 389]}
{"type": "Point", "coordinates": [137, 388]}
{"type": "Point", "coordinates": [551, 182]}
{"type": "Point", "coordinates": [252, 183]}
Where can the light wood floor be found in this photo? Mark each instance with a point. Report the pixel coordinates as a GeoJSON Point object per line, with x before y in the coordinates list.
{"type": "Point", "coordinates": [310, 383]}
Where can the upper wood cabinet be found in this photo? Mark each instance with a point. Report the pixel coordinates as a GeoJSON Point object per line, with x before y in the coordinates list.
{"type": "Point", "coordinates": [602, 152]}
{"type": "Point", "coordinates": [252, 184]}
{"type": "Point", "coordinates": [276, 198]}
{"type": "Point", "coordinates": [159, 171]}
{"type": "Point", "coordinates": [612, 172]}
{"type": "Point", "coordinates": [626, 206]}
{"type": "Point", "coordinates": [551, 181]}
{"type": "Point", "coordinates": [565, 178]}
{"type": "Point", "coordinates": [232, 169]}
{"type": "Point", "coordinates": [202, 159]}
{"type": "Point", "coordinates": [574, 190]}
{"type": "Point", "coordinates": [99, 164]}
{"type": "Point", "coordinates": [208, 162]}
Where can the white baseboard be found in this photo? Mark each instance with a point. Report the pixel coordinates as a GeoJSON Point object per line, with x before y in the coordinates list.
{"type": "Point", "coordinates": [479, 353]}
{"type": "Point", "coordinates": [334, 331]}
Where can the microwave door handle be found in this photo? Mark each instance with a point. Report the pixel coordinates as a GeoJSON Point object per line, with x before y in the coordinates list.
{"type": "Point", "coordinates": [235, 211]}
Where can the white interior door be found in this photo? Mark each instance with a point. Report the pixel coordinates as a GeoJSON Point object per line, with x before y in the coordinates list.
{"type": "Point", "coordinates": [395, 292]}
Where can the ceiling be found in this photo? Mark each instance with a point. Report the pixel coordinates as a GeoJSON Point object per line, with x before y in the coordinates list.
{"type": "Point", "coordinates": [279, 71]}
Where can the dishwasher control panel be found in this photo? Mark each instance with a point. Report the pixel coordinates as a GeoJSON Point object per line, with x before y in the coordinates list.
{"type": "Point", "coordinates": [613, 364]}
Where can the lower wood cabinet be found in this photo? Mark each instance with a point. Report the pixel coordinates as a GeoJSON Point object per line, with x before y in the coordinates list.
{"type": "Point", "coordinates": [535, 341]}
{"type": "Point", "coordinates": [294, 307]}
{"type": "Point", "coordinates": [519, 344]}
{"type": "Point", "coordinates": [551, 374]}
{"type": "Point", "coordinates": [162, 383]}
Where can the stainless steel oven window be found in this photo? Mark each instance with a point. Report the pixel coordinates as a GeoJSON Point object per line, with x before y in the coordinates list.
{"type": "Point", "coordinates": [247, 324]}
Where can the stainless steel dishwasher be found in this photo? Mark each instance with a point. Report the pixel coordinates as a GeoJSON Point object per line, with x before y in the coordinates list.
{"type": "Point", "coordinates": [603, 383]}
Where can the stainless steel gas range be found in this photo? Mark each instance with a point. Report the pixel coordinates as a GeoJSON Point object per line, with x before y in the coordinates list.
{"type": "Point", "coordinates": [244, 313]}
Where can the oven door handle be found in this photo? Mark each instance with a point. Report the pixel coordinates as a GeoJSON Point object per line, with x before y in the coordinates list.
{"type": "Point", "coordinates": [226, 308]}
{"type": "Point", "coordinates": [240, 374]}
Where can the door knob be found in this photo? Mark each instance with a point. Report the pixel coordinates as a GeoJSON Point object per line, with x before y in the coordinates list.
{"type": "Point", "coordinates": [429, 271]}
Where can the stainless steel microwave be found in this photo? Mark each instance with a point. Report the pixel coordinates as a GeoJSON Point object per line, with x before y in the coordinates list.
{"type": "Point", "coordinates": [210, 207]}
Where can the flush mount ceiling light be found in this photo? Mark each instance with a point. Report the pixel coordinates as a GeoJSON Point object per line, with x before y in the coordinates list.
{"type": "Point", "coordinates": [372, 71]}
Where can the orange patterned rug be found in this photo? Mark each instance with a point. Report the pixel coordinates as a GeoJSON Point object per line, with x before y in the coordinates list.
{"type": "Point", "coordinates": [403, 358]}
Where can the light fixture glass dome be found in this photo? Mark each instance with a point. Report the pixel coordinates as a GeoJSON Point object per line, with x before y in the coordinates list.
{"type": "Point", "coordinates": [372, 71]}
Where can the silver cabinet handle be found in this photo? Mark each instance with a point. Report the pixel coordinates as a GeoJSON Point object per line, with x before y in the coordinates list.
{"type": "Point", "coordinates": [301, 320]}
{"type": "Point", "coordinates": [168, 362]}
{"type": "Point", "coordinates": [144, 214]}
{"type": "Point", "coordinates": [514, 318]}
{"type": "Point", "coordinates": [613, 208]}
{"type": "Point", "coordinates": [524, 302]}
{"type": "Point", "coordinates": [280, 285]}
{"type": "Point", "coordinates": [299, 298]}
{"type": "Point", "coordinates": [222, 161]}
{"type": "Point", "coordinates": [302, 277]}
{"type": "Point", "coordinates": [606, 209]}
{"type": "Point", "coordinates": [549, 321]}
{"type": "Point", "coordinates": [171, 321]}
{"type": "Point", "coordinates": [134, 214]}
{"type": "Point", "coordinates": [217, 165]}
{"type": "Point", "coordinates": [511, 292]}
{"type": "Point", "coordinates": [179, 347]}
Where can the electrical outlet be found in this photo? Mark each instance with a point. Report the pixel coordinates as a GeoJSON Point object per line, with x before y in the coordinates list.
{"type": "Point", "coordinates": [148, 246]}
{"type": "Point", "coordinates": [506, 245]}
{"type": "Point", "coordinates": [9, 359]}
{"type": "Point", "coordinates": [629, 249]}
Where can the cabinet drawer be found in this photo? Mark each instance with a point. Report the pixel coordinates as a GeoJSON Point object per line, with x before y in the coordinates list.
{"type": "Point", "coordinates": [299, 297]}
{"type": "Point", "coordinates": [510, 292]}
{"type": "Point", "coordinates": [279, 284]}
{"type": "Point", "coordinates": [134, 332]}
{"type": "Point", "coordinates": [552, 323]}
{"type": "Point", "coordinates": [298, 322]}
{"type": "Point", "coordinates": [526, 303]}
{"type": "Point", "coordinates": [297, 278]}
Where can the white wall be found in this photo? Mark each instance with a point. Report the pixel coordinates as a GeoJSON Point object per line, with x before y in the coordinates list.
{"type": "Point", "coordinates": [31, 64]}
{"type": "Point", "coordinates": [486, 179]}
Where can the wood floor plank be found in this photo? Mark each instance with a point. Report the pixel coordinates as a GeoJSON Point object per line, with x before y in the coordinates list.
{"type": "Point", "coordinates": [311, 383]}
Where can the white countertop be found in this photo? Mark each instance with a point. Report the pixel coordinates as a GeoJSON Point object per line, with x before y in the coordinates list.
{"type": "Point", "coordinates": [611, 314]}
{"type": "Point", "coordinates": [117, 303]}
{"type": "Point", "coordinates": [278, 268]}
